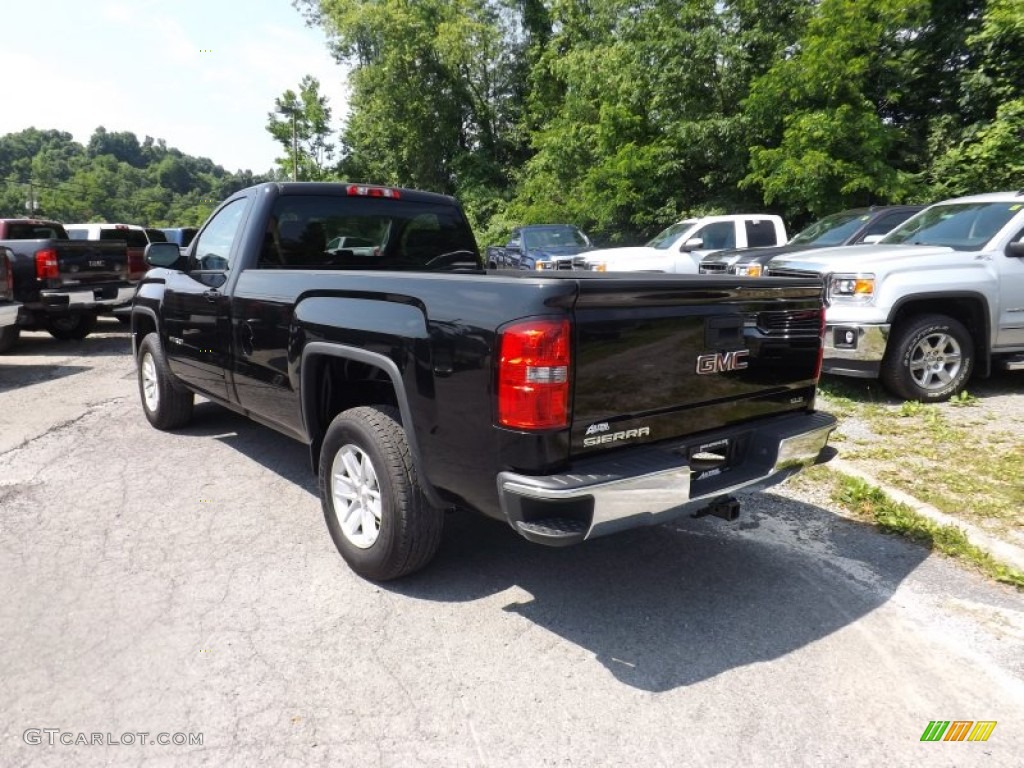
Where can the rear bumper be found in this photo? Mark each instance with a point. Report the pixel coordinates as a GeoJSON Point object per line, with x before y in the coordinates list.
{"type": "Point", "coordinates": [653, 484]}
{"type": "Point", "coordinates": [103, 297]}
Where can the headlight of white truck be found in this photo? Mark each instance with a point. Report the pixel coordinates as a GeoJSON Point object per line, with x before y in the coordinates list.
{"type": "Point", "coordinates": [857, 287]}
{"type": "Point", "coordinates": [750, 270]}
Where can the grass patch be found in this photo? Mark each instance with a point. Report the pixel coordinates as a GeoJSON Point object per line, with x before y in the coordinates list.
{"type": "Point", "coordinates": [952, 455]}
{"type": "Point", "coordinates": [868, 502]}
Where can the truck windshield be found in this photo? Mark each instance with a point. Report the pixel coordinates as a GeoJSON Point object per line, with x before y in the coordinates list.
{"type": "Point", "coordinates": [963, 226]}
{"type": "Point", "coordinates": [831, 230]}
{"type": "Point", "coordinates": [664, 239]}
{"type": "Point", "coordinates": [547, 237]}
{"type": "Point", "coordinates": [321, 231]}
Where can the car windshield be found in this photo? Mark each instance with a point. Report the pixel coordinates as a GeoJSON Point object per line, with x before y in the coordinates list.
{"type": "Point", "coordinates": [547, 237]}
{"type": "Point", "coordinates": [964, 226]}
{"type": "Point", "coordinates": [664, 239]}
{"type": "Point", "coordinates": [831, 230]}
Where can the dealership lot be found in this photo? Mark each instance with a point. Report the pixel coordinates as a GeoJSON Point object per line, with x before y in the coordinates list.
{"type": "Point", "coordinates": [185, 584]}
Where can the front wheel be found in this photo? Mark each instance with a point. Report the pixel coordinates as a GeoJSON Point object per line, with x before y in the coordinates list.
{"type": "Point", "coordinates": [380, 521]}
{"type": "Point", "coordinates": [73, 327]}
{"type": "Point", "coordinates": [166, 405]}
{"type": "Point", "coordinates": [929, 358]}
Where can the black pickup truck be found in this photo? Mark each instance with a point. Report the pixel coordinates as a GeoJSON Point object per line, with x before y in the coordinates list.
{"type": "Point", "coordinates": [63, 284]}
{"type": "Point", "coordinates": [569, 404]}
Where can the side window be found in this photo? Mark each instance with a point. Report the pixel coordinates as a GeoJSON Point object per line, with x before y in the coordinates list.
{"type": "Point", "coordinates": [716, 236]}
{"type": "Point", "coordinates": [213, 245]}
{"type": "Point", "coordinates": [883, 225]}
{"type": "Point", "coordinates": [515, 242]}
{"type": "Point", "coordinates": [760, 232]}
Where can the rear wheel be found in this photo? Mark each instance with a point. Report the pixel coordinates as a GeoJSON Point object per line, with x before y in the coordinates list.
{"type": "Point", "coordinates": [9, 337]}
{"type": "Point", "coordinates": [380, 521]}
{"type": "Point", "coordinates": [73, 327]}
{"type": "Point", "coordinates": [166, 404]}
{"type": "Point", "coordinates": [929, 358]}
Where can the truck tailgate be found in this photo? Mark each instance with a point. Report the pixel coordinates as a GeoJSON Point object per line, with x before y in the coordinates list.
{"type": "Point", "coordinates": [660, 357]}
{"type": "Point", "coordinates": [86, 262]}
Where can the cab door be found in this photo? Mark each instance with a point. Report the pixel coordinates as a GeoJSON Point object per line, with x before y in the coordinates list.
{"type": "Point", "coordinates": [1010, 332]}
{"type": "Point", "coordinates": [197, 310]}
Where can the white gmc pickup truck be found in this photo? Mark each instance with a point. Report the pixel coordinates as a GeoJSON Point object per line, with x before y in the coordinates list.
{"type": "Point", "coordinates": [939, 298]}
{"type": "Point", "coordinates": [680, 247]}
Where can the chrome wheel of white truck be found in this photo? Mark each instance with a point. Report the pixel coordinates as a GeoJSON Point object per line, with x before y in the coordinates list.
{"type": "Point", "coordinates": [930, 358]}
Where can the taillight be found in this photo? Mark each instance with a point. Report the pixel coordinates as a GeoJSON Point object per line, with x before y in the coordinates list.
{"type": "Point", "coordinates": [533, 374]}
{"type": "Point", "coordinates": [46, 264]}
{"type": "Point", "coordinates": [136, 263]}
{"type": "Point", "coordinates": [363, 190]}
{"type": "Point", "coordinates": [8, 274]}
{"type": "Point", "coordinates": [821, 347]}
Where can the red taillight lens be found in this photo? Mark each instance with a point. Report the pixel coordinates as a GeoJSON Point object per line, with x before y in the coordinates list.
{"type": "Point", "coordinates": [821, 348]}
{"type": "Point", "coordinates": [533, 374]}
{"type": "Point", "coordinates": [136, 263]}
{"type": "Point", "coordinates": [46, 264]}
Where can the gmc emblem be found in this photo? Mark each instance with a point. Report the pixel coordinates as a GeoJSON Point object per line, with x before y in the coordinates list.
{"type": "Point", "coordinates": [97, 263]}
{"type": "Point", "coordinates": [720, 362]}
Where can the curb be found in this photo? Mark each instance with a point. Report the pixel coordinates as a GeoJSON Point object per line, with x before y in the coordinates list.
{"type": "Point", "coordinates": [1003, 551]}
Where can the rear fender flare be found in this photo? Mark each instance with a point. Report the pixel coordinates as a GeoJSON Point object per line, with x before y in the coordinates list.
{"type": "Point", "coordinates": [315, 431]}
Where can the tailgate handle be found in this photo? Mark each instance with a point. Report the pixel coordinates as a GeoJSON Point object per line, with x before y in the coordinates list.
{"type": "Point", "coordinates": [723, 332]}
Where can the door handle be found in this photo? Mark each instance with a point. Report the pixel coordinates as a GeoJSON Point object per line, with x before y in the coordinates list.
{"type": "Point", "coordinates": [212, 295]}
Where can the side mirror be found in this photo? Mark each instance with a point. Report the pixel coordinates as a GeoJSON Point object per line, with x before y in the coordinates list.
{"type": "Point", "coordinates": [162, 254]}
{"type": "Point", "coordinates": [693, 244]}
{"type": "Point", "coordinates": [1016, 249]}
{"type": "Point", "coordinates": [871, 239]}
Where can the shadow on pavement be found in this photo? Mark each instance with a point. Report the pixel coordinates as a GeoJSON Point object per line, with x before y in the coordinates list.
{"type": "Point", "coordinates": [286, 457]}
{"type": "Point", "coordinates": [108, 341]}
{"type": "Point", "coordinates": [13, 376]}
{"type": "Point", "coordinates": [673, 605]}
{"type": "Point", "coordinates": [659, 607]}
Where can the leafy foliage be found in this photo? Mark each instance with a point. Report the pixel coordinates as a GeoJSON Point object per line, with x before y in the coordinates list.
{"type": "Point", "coordinates": [113, 177]}
{"type": "Point", "coordinates": [301, 123]}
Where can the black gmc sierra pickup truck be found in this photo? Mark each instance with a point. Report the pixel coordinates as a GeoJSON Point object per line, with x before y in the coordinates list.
{"type": "Point", "coordinates": [570, 404]}
{"type": "Point", "coordinates": [62, 284]}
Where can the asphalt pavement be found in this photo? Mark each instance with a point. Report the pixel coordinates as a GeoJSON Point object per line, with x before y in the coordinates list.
{"type": "Point", "coordinates": [183, 585]}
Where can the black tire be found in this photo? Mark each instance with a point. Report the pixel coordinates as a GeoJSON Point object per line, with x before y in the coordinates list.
{"type": "Point", "coordinates": [73, 327]}
{"type": "Point", "coordinates": [408, 531]}
{"type": "Point", "coordinates": [929, 358]}
{"type": "Point", "coordinates": [9, 337]}
{"type": "Point", "coordinates": [167, 404]}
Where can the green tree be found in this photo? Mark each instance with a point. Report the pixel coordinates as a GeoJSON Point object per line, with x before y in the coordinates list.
{"type": "Point", "coordinates": [302, 124]}
{"type": "Point", "coordinates": [823, 142]}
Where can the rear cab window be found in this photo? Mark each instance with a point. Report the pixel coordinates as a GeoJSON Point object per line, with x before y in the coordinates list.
{"type": "Point", "coordinates": [392, 234]}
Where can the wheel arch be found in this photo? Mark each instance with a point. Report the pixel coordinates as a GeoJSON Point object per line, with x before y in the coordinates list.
{"type": "Point", "coordinates": [144, 322]}
{"type": "Point", "coordinates": [320, 359]}
{"type": "Point", "coordinates": [969, 307]}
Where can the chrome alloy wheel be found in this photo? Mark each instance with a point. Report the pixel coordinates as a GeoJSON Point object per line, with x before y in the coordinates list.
{"type": "Point", "coordinates": [355, 492]}
{"type": "Point", "coordinates": [935, 361]}
{"type": "Point", "coordinates": [150, 386]}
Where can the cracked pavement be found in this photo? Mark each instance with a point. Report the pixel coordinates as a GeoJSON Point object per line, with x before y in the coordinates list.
{"type": "Point", "coordinates": [185, 583]}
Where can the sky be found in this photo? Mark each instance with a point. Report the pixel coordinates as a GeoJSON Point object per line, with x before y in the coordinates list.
{"type": "Point", "coordinates": [202, 75]}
